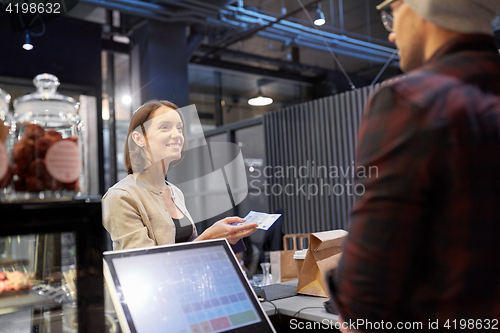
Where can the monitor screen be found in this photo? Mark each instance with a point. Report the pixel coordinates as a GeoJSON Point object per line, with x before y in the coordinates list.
{"type": "Point", "coordinates": [196, 287]}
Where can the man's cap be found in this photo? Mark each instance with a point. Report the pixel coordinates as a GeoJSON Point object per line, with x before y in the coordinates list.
{"type": "Point", "coordinates": [464, 16]}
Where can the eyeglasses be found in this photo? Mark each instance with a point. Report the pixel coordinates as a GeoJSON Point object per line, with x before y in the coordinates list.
{"type": "Point", "coordinates": [386, 14]}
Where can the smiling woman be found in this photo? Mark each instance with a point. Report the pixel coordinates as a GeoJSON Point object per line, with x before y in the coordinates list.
{"type": "Point", "coordinates": [138, 154]}
{"type": "Point", "coordinates": [164, 130]}
{"type": "Point", "coordinates": [143, 209]}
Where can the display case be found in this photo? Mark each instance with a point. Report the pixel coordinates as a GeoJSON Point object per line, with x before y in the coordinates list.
{"type": "Point", "coordinates": [51, 276]}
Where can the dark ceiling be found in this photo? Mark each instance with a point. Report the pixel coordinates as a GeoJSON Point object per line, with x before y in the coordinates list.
{"type": "Point", "coordinates": [273, 38]}
{"type": "Point", "coordinates": [235, 46]}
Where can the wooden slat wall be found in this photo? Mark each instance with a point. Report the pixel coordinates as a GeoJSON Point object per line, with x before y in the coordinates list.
{"type": "Point", "coordinates": [313, 134]}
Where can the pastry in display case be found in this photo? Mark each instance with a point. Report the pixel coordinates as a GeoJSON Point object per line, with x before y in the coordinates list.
{"type": "Point", "coordinates": [51, 267]}
{"type": "Point", "coordinates": [33, 275]}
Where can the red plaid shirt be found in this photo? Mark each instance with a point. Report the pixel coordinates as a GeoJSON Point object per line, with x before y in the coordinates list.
{"type": "Point", "coordinates": [424, 239]}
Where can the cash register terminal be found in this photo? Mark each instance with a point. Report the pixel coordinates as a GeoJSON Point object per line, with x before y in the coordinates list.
{"type": "Point", "coordinates": [194, 287]}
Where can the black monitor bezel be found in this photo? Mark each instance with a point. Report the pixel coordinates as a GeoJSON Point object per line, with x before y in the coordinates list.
{"type": "Point", "coordinates": [263, 326]}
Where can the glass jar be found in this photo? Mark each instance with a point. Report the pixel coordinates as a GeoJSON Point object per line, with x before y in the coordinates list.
{"type": "Point", "coordinates": [46, 157]}
{"type": "Point", "coordinates": [7, 126]}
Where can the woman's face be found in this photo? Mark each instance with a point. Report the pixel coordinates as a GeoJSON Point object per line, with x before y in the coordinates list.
{"type": "Point", "coordinates": [164, 133]}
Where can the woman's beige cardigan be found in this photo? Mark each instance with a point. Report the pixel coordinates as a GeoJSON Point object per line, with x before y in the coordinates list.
{"type": "Point", "coordinates": [136, 216]}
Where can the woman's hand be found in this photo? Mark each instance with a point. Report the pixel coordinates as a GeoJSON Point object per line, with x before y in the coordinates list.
{"type": "Point", "coordinates": [224, 229]}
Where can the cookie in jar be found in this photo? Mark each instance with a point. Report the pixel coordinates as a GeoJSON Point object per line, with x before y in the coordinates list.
{"type": "Point", "coordinates": [46, 156]}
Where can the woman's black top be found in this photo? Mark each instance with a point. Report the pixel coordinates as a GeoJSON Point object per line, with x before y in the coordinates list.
{"type": "Point", "coordinates": [183, 229]}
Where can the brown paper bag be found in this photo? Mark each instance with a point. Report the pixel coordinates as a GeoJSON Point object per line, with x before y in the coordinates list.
{"type": "Point", "coordinates": [283, 266]}
{"type": "Point", "coordinates": [325, 249]}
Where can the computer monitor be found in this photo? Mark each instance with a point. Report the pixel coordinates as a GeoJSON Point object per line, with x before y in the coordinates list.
{"type": "Point", "coordinates": [194, 287]}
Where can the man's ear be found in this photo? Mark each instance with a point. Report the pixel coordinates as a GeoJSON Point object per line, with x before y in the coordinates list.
{"type": "Point", "coordinates": [138, 139]}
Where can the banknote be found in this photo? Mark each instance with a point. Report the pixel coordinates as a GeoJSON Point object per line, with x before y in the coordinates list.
{"type": "Point", "coordinates": [264, 220]}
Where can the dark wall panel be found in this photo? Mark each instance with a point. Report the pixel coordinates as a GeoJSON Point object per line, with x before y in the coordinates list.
{"type": "Point", "coordinates": [314, 140]}
{"type": "Point", "coordinates": [69, 49]}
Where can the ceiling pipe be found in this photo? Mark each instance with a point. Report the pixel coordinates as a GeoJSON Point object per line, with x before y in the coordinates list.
{"type": "Point", "coordinates": [291, 35]}
{"type": "Point", "coordinates": [255, 30]}
{"type": "Point", "coordinates": [326, 28]}
{"type": "Point", "coordinates": [232, 54]}
{"type": "Point", "coordinates": [145, 5]}
{"type": "Point", "coordinates": [337, 31]}
{"type": "Point", "coordinates": [239, 24]}
{"type": "Point", "coordinates": [196, 8]}
{"type": "Point", "coordinates": [282, 29]}
{"type": "Point", "coordinates": [194, 41]}
{"type": "Point", "coordinates": [127, 9]}
{"type": "Point", "coordinates": [322, 47]}
{"type": "Point", "coordinates": [151, 14]}
{"type": "Point", "coordinates": [205, 4]}
{"type": "Point", "coordinates": [309, 36]}
{"type": "Point", "coordinates": [383, 51]}
{"type": "Point", "coordinates": [301, 28]}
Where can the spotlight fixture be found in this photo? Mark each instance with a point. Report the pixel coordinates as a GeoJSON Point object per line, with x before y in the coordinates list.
{"type": "Point", "coordinates": [260, 100]}
{"type": "Point", "coordinates": [319, 19]}
{"type": "Point", "coordinates": [283, 8]}
{"type": "Point", "coordinates": [27, 42]}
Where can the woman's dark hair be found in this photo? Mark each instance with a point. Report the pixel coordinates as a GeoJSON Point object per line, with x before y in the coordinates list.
{"type": "Point", "coordinates": [136, 158]}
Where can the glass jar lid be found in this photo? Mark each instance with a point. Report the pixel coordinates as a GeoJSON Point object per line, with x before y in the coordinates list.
{"type": "Point", "coordinates": [46, 98]}
{"type": "Point", "coordinates": [4, 101]}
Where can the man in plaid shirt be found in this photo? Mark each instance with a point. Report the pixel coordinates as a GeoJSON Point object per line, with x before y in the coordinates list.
{"type": "Point", "coordinates": [423, 250]}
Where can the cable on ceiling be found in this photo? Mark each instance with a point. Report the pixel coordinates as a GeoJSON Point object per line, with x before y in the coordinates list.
{"type": "Point", "coordinates": [328, 47]}
{"type": "Point", "coordinates": [385, 66]}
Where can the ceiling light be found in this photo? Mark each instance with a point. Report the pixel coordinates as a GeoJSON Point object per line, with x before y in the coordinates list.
{"type": "Point", "coordinates": [319, 19]}
{"type": "Point", "coordinates": [126, 99]}
{"type": "Point", "coordinates": [27, 42]}
{"type": "Point", "coordinates": [260, 101]}
{"type": "Point", "coordinates": [121, 39]}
